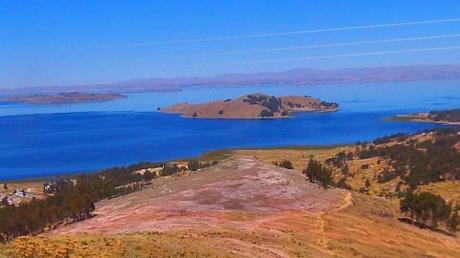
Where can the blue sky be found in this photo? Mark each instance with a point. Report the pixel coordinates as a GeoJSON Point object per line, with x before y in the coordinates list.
{"type": "Point", "coordinates": [81, 42]}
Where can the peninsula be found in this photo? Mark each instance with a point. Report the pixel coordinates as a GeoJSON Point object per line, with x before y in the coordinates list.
{"type": "Point", "coordinates": [451, 116]}
{"type": "Point", "coordinates": [62, 98]}
{"type": "Point", "coordinates": [252, 106]}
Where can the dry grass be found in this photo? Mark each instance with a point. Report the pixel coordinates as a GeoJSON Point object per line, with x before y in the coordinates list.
{"type": "Point", "coordinates": [450, 190]}
{"type": "Point", "coordinates": [368, 228]}
{"type": "Point", "coordinates": [127, 245]}
{"type": "Point", "coordinates": [298, 156]}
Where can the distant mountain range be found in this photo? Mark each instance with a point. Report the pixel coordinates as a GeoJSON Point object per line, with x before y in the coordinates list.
{"type": "Point", "coordinates": [300, 76]}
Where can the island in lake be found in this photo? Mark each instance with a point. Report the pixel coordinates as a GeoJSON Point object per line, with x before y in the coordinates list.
{"type": "Point", "coordinates": [444, 117]}
{"type": "Point", "coordinates": [62, 98]}
{"type": "Point", "coordinates": [252, 106]}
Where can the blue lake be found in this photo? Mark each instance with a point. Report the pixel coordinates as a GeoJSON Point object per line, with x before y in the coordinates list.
{"type": "Point", "coordinates": [52, 139]}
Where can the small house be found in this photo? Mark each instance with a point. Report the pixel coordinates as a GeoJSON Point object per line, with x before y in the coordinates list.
{"type": "Point", "coordinates": [20, 193]}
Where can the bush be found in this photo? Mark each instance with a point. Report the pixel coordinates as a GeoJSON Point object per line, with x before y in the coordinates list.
{"type": "Point", "coordinates": [345, 170]}
{"type": "Point", "coordinates": [386, 176]}
{"type": "Point", "coordinates": [266, 113]}
{"type": "Point", "coordinates": [170, 169]}
{"type": "Point", "coordinates": [284, 164]}
{"type": "Point", "coordinates": [194, 165]}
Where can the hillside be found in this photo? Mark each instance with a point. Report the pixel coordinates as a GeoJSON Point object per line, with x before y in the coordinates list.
{"type": "Point", "coordinates": [252, 106]}
{"type": "Point", "coordinates": [243, 207]}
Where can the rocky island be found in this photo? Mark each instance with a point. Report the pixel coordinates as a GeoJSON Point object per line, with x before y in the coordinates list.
{"type": "Point", "coordinates": [62, 98]}
{"type": "Point", "coordinates": [252, 106]}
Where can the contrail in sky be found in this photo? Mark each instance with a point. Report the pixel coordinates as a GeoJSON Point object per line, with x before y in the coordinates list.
{"type": "Point", "coordinates": [291, 33]}
{"type": "Point", "coordinates": [359, 54]}
{"type": "Point", "coordinates": [340, 44]}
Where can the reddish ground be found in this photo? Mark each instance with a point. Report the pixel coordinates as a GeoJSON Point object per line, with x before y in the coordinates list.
{"type": "Point", "coordinates": [242, 207]}
{"type": "Point", "coordinates": [240, 192]}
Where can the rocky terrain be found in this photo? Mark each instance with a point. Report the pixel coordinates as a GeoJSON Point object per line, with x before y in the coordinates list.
{"type": "Point", "coordinates": [252, 106]}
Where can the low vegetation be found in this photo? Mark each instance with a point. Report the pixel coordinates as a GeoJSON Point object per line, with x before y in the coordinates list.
{"type": "Point", "coordinates": [73, 199]}
{"type": "Point", "coordinates": [284, 164]}
{"type": "Point", "coordinates": [421, 162]}
{"type": "Point", "coordinates": [407, 162]}
{"type": "Point", "coordinates": [446, 115]}
{"type": "Point", "coordinates": [417, 174]}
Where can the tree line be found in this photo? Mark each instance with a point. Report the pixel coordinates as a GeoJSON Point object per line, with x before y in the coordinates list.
{"type": "Point", "coordinates": [423, 162]}
{"type": "Point", "coordinates": [318, 173]}
{"type": "Point", "coordinates": [428, 209]}
{"type": "Point", "coordinates": [73, 198]}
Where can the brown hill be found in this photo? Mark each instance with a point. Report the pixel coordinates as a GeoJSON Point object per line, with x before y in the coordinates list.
{"type": "Point", "coordinates": [252, 106]}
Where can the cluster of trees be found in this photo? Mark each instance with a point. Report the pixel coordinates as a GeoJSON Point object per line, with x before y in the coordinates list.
{"type": "Point", "coordinates": [325, 104]}
{"type": "Point", "coordinates": [318, 173]}
{"type": "Point", "coordinates": [272, 104]}
{"type": "Point", "coordinates": [170, 169]}
{"type": "Point", "coordinates": [72, 200]}
{"type": "Point", "coordinates": [399, 137]}
{"type": "Point", "coordinates": [387, 175]}
{"type": "Point", "coordinates": [266, 113]}
{"type": "Point", "coordinates": [428, 209]}
{"type": "Point", "coordinates": [195, 164]}
{"type": "Point", "coordinates": [284, 164]}
{"type": "Point", "coordinates": [421, 162]}
{"type": "Point", "coordinates": [125, 175]}
{"type": "Point", "coordinates": [340, 159]}
{"type": "Point", "coordinates": [192, 165]}
{"type": "Point", "coordinates": [447, 115]}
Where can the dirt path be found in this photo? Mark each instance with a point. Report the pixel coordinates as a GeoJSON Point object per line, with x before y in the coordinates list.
{"type": "Point", "coordinates": [324, 242]}
{"type": "Point", "coordinates": [348, 200]}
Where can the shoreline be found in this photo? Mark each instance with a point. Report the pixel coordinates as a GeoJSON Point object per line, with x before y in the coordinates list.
{"type": "Point", "coordinates": [252, 118]}
{"type": "Point", "coordinates": [421, 118]}
{"type": "Point", "coordinates": [207, 155]}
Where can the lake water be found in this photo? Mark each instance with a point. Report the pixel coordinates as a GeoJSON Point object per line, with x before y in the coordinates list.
{"type": "Point", "coordinates": [52, 139]}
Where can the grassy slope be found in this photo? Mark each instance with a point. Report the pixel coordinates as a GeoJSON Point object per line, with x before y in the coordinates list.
{"type": "Point", "coordinates": [367, 228]}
